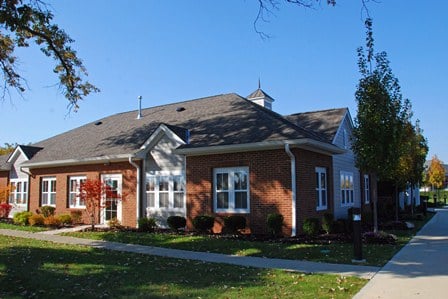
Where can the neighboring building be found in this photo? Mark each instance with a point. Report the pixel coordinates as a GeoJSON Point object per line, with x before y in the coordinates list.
{"type": "Point", "coordinates": [219, 155]}
{"type": "Point", "coordinates": [336, 126]}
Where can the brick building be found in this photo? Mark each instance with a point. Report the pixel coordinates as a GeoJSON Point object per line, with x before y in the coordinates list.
{"type": "Point", "coordinates": [219, 155]}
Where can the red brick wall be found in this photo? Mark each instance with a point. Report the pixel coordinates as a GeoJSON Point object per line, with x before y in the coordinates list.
{"type": "Point", "coordinates": [270, 185]}
{"type": "Point", "coordinates": [62, 175]}
{"type": "Point", "coordinates": [4, 177]}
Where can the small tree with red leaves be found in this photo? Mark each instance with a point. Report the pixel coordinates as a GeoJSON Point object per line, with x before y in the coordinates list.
{"type": "Point", "coordinates": [93, 193]}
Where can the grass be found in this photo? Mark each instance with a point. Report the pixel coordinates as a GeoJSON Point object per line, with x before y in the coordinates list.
{"type": "Point", "coordinates": [33, 229]}
{"type": "Point", "coordinates": [61, 271]}
{"type": "Point", "coordinates": [375, 254]}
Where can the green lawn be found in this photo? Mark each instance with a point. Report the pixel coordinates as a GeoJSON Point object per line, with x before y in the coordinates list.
{"type": "Point", "coordinates": [376, 255]}
{"type": "Point", "coordinates": [38, 269]}
{"type": "Point", "coordinates": [25, 228]}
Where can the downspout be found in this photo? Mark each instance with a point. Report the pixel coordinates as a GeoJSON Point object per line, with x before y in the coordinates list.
{"type": "Point", "coordinates": [138, 187]}
{"type": "Point", "coordinates": [293, 190]}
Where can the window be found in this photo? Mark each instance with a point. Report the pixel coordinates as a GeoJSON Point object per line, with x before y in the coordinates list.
{"type": "Point", "coordinates": [73, 195]}
{"type": "Point", "coordinates": [366, 189]}
{"type": "Point", "coordinates": [321, 188]}
{"type": "Point", "coordinates": [347, 188]}
{"type": "Point", "coordinates": [231, 190]}
{"type": "Point", "coordinates": [165, 191]}
{"type": "Point", "coordinates": [19, 194]}
{"type": "Point", "coordinates": [48, 195]}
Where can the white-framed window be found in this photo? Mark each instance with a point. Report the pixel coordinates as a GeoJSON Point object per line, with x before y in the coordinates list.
{"type": "Point", "coordinates": [19, 194]}
{"type": "Point", "coordinates": [165, 191]}
{"type": "Point", "coordinates": [74, 200]}
{"type": "Point", "coordinates": [366, 189]}
{"type": "Point", "coordinates": [321, 188]}
{"type": "Point", "coordinates": [231, 190]}
{"type": "Point", "coordinates": [48, 191]}
{"type": "Point", "coordinates": [347, 188]}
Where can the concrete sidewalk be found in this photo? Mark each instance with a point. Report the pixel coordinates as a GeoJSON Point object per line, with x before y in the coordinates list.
{"type": "Point", "coordinates": [418, 270]}
{"type": "Point", "coordinates": [366, 272]}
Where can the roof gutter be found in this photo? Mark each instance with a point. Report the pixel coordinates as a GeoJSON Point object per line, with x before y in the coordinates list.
{"type": "Point", "coordinates": [69, 162]}
{"type": "Point", "coordinates": [305, 143]}
{"type": "Point", "coordinates": [138, 187]}
{"type": "Point", "coordinates": [293, 190]}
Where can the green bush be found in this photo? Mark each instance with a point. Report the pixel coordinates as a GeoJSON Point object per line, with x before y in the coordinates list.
{"type": "Point", "coordinates": [233, 223]}
{"type": "Point", "coordinates": [327, 223]}
{"type": "Point", "coordinates": [176, 222]}
{"type": "Point", "coordinates": [147, 225]}
{"type": "Point", "coordinates": [47, 211]}
{"type": "Point", "coordinates": [36, 220]}
{"type": "Point", "coordinates": [275, 224]}
{"type": "Point", "coordinates": [340, 226]}
{"type": "Point", "coordinates": [22, 218]}
{"type": "Point", "coordinates": [114, 223]}
{"type": "Point", "coordinates": [203, 223]}
{"type": "Point", "coordinates": [311, 226]}
{"type": "Point", "coordinates": [65, 219]}
{"type": "Point", "coordinates": [76, 216]}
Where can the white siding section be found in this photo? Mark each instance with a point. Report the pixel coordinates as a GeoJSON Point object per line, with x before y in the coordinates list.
{"type": "Point", "coordinates": [161, 161]}
{"type": "Point", "coordinates": [15, 173]}
{"type": "Point", "coordinates": [344, 162]}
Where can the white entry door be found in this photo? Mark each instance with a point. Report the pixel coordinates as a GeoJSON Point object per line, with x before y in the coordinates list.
{"type": "Point", "coordinates": [111, 205]}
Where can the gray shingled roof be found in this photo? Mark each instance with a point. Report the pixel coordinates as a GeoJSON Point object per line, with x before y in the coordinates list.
{"type": "Point", "coordinates": [213, 121]}
{"type": "Point", "coordinates": [3, 165]}
{"type": "Point", "coordinates": [259, 93]}
{"type": "Point", "coordinates": [324, 122]}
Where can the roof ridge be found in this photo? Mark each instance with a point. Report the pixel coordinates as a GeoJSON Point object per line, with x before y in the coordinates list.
{"type": "Point", "coordinates": [281, 118]}
{"type": "Point", "coordinates": [316, 111]}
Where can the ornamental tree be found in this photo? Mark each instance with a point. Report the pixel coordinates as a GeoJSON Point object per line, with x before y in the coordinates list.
{"type": "Point", "coordinates": [5, 193]}
{"type": "Point", "coordinates": [436, 173]}
{"type": "Point", "coordinates": [93, 193]}
{"type": "Point", "coordinates": [381, 115]}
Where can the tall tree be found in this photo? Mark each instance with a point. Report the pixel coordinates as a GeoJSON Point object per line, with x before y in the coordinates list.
{"type": "Point", "coordinates": [378, 124]}
{"type": "Point", "coordinates": [436, 173]}
{"type": "Point", "coordinates": [7, 148]}
{"type": "Point", "coordinates": [25, 21]}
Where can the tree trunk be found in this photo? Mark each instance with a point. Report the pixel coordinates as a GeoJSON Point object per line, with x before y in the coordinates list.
{"type": "Point", "coordinates": [92, 221]}
{"type": "Point", "coordinates": [412, 200]}
{"type": "Point", "coordinates": [397, 202]}
{"type": "Point", "coordinates": [375, 202]}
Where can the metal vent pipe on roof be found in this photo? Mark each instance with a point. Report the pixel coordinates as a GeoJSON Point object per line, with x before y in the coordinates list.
{"type": "Point", "coordinates": [139, 107]}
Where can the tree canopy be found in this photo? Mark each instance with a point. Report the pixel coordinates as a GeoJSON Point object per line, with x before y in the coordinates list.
{"type": "Point", "coordinates": [30, 21]}
{"type": "Point", "coordinates": [436, 173]}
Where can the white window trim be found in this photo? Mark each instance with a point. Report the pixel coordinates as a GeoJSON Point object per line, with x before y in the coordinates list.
{"type": "Point", "coordinates": [78, 182]}
{"type": "Point", "coordinates": [171, 191]}
{"type": "Point", "coordinates": [23, 192]}
{"type": "Point", "coordinates": [349, 192]}
{"type": "Point", "coordinates": [366, 189]}
{"type": "Point", "coordinates": [319, 189]}
{"type": "Point", "coordinates": [50, 181]}
{"type": "Point", "coordinates": [231, 171]}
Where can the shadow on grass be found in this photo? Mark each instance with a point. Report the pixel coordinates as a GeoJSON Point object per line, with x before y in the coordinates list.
{"type": "Point", "coordinates": [37, 269]}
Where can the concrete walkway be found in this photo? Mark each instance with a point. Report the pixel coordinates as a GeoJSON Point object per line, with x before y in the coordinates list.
{"type": "Point", "coordinates": [418, 270]}
{"type": "Point", "coordinates": [366, 272]}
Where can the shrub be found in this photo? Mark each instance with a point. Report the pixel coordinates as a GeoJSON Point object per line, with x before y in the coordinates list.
{"type": "Point", "coordinates": [5, 208]}
{"type": "Point", "coordinates": [340, 226]}
{"type": "Point", "coordinates": [114, 223]}
{"type": "Point", "coordinates": [52, 221]}
{"type": "Point", "coordinates": [275, 223]}
{"type": "Point", "coordinates": [36, 220]}
{"type": "Point", "coordinates": [76, 216]}
{"type": "Point", "coordinates": [176, 222]}
{"type": "Point", "coordinates": [203, 223]}
{"type": "Point", "coordinates": [47, 211]}
{"type": "Point", "coordinates": [146, 224]}
{"type": "Point", "coordinates": [311, 226]}
{"type": "Point", "coordinates": [233, 223]}
{"type": "Point", "coordinates": [65, 219]}
{"type": "Point", "coordinates": [327, 223]}
{"type": "Point", "coordinates": [21, 218]}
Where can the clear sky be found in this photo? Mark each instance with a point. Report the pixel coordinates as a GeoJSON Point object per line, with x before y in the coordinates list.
{"type": "Point", "coordinates": [174, 50]}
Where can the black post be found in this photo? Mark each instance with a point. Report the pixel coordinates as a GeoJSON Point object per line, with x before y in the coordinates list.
{"type": "Point", "coordinates": [357, 238]}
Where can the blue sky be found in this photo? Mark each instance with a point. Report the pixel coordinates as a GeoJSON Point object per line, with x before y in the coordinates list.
{"type": "Point", "coordinates": [174, 50]}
